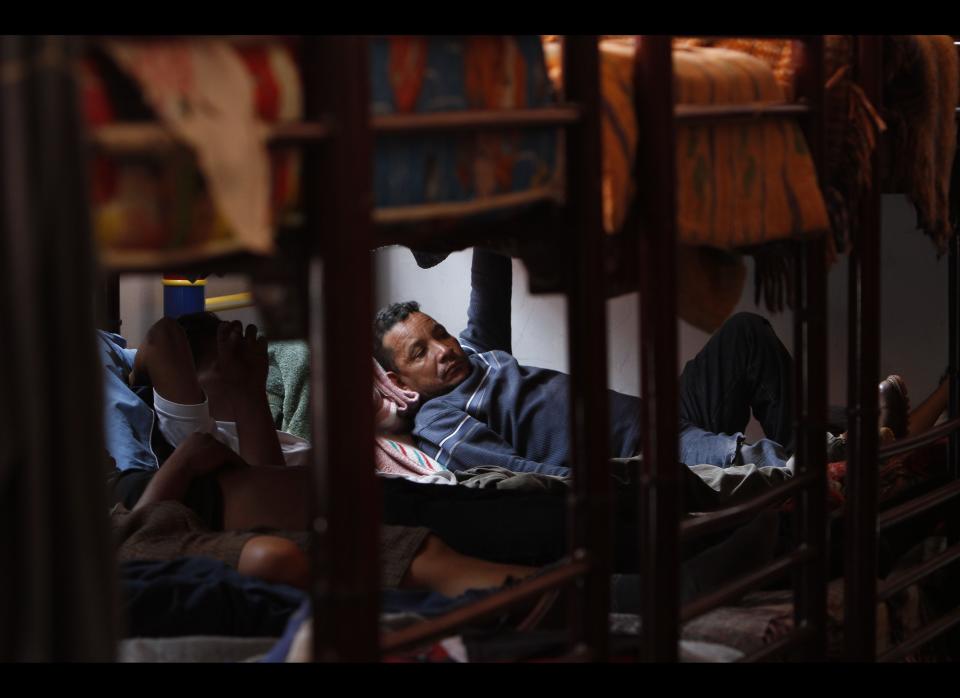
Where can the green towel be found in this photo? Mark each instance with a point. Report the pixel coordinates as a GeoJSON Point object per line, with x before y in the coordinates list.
{"type": "Point", "coordinates": [288, 386]}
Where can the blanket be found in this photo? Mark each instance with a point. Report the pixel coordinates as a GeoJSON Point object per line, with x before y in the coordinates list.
{"type": "Point", "coordinates": [288, 386]}
{"type": "Point", "coordinates": [921, 90]}
{"type": "Point", "coordinates": [737, 183]}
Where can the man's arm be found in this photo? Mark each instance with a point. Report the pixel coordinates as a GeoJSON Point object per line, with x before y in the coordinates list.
{"type": "Point", "coordinates": [198, 455]}
{"type": "Point", "coordinates": [458, 442]}
{"type": "Point", "coordinates": [488, 318]}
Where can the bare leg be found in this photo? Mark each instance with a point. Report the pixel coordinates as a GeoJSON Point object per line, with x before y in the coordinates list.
{"type": "Point", "coordinates": [436, 567]}
{"type": "Point", "coordinates": [164, 359]}
{"type": "Point", "coordinates": [925, 416]}
{"type": "Point", "coordinates": [276, 560]}
{"type": "Point", "coordinates": [275, 497]}
{"type": "Point", "coordinates": [440, 568]}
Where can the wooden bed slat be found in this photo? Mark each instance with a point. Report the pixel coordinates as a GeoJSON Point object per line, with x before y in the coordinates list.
{"type": "Point", "coordinates": [920, 440]}
{"type": "Point", "coordinates": [476, 120]}
{"type": "Point", "coordinates": [660, 493]}
{"type": "Point", "coordinates": [891, 586]}
{"type": "Point", "coordinates": [863, 375]}
{"type": "Point", "coordinates": [143, 138]}
{"type": "Point", "coordinates": [131, 138]}
{"type": "Point", "coordinates": [686, 113]}
{"type": "Point", "coordinates": [500, 601]}
{"type": "Point", "coordinates": [922, 637]}
{"type": "Point", "coordinates": [590, 520]}
{"type": "Point", "coordinates": [919, 505]}
{"type": "Point", "coordinates": [725, 518]}
{"type": "Point", "coordinates": [737, 588]}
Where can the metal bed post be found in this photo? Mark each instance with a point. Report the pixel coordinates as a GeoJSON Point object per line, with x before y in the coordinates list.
{"type": "Point", "coordinates": [338, 187]}
{"type": "Point", "coordinates": [863, 369]}
{"type": "Point", "coordinates": [659, 481]}
{"type": "Point", "coordinates": [590, 523]}
{"type": "Point", "coordinates": [810, 383]}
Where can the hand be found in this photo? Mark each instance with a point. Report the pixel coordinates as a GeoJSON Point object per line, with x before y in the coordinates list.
{"type": "Point", "coordinates": [242, 357]}
{"type": "Point", "coordinates": [201, 454]}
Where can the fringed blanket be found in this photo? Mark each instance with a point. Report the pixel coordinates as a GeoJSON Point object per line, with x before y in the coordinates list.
{"type": "Point", "coordinates": [921, 90]}
{"type": "Point", "coordinates": [737, 183]}
{"type": "Point", "coordinates": [922, 86]}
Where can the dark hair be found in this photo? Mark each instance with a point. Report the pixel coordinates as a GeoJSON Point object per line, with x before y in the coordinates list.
{"type": "Point", "coordinates": [201, 331]}
{"type": "Point", "coordinates": [384, 321]}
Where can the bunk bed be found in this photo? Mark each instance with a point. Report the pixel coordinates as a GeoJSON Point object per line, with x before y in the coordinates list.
{"type": "Point", "coordinates": [337, 176]}
{"type": "Point", "coordinates": [344, 601]}
{"type": "Point", "coordinates": [879, 489]}
{"type": "Point", "coordinates": [648, 236]}
{"type": "Point", "coordinates": [643, 251]}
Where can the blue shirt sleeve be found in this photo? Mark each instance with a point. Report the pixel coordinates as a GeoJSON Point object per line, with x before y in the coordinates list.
{"type": "Point", "coordinates": [459, 442]}
{"type": "Point", "coordinates": [488, 318]}
{"type": "Point", "coordinates": [127, 420]}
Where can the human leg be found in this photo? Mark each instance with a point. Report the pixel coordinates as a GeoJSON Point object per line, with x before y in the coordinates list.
{"type": "Point", "coordinates": [743, 367]}
{"type": "Point", "coordinates": [275, 559]}
{"type": "Point", "coordinates": [164, 360]}
{"type": "Point", "coordinates": [927, 413]}
{"type": "Point", "coordinates": [440, 568]}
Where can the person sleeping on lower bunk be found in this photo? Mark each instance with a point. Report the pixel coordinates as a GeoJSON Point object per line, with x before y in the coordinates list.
{"type": "Point", "coordinates": [206, 501]}
{"type": "Point", "coordinates": [480, 406]}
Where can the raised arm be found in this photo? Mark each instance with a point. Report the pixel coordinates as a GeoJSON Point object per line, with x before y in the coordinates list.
{"type": "Point", "coordinates": [488, 318]}
{"type": "Point", "coordinates": [458, 442]}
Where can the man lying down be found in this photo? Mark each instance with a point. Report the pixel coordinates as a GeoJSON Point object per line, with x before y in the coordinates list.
{"type": "Point", "coordinates": [221, 494]}
{"type": "Point", "coordinates": [480, 408]}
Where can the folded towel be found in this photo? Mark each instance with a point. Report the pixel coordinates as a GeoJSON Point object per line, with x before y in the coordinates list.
{"type": "Point", "coordinates": [288, 386]}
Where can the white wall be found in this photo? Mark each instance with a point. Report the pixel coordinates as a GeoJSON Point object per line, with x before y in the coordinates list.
{"type": "Point", "coordinates": [913, 301]}
{"type": "Point", "coordinates": [141, 302]}
{"type": "Point", "coordinates": [914, 332]}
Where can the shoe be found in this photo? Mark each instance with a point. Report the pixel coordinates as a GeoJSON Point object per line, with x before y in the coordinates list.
{"type": "Point", "coordinates": [894, 405]}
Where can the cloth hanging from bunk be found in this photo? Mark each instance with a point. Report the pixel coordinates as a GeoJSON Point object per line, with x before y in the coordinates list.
{"type": "Point", "coordinates": [922, 87]}
{"type": "Point", "coordinates": [202, 91]}
{"type": "Point", "coordinates": [57, 587]}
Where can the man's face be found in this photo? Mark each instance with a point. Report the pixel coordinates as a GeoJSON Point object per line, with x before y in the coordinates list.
{"type": "Point", "coordinates": [427, 358]}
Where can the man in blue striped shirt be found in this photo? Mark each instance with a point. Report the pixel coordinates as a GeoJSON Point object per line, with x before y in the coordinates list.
{"type": "Point", "coordinates": [481, 407]}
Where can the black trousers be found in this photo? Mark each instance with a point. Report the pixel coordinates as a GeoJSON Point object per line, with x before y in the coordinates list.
{"type": "Point", "coordinates": [743, 367]}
